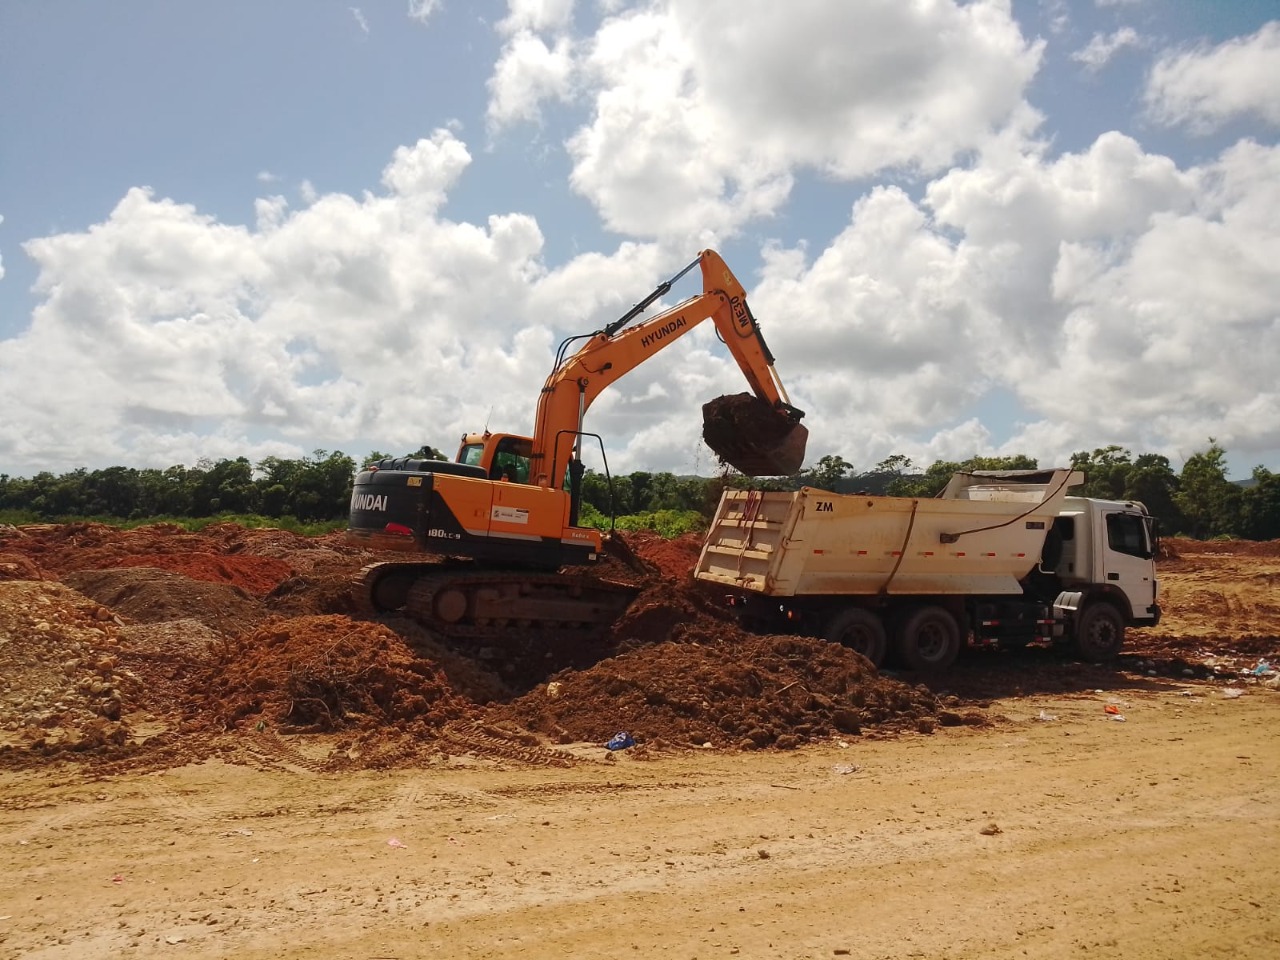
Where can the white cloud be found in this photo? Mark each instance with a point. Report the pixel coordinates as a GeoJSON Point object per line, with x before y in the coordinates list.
{"type": "Point", "coordinates": [353, 323]}
{"type": "Point", "coordinates": [1102, 47]}
{"type": "Point", "coordinates": [1, 258]}
{"type": "Point", "coordinates": [1203, 89]}
{"type": "Point", "coordinates": [266, 176]}
{"type": "Point", "coordinates": [1117, 297]}
{"type": "Point", "coordinates": [421, 10]}
{"type": "Point", "coordinates": [527, 73]}
{"type": "Point", "coordinates": [704, 110]}
{"type": "Point", "coordinates": [359, 17]}
{"type": "Point", "coordinates": [537, 16]}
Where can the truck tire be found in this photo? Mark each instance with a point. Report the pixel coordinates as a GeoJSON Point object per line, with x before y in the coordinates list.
{"type": "Point", "coordinates": [859, 630]}
{"type": "Point", "coordinates": [928, 639]}
{"type": "Point", "coordinates": [1099, 632]}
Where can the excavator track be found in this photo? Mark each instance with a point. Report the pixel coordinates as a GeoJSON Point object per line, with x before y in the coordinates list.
{"type": "Point", "coordinates": [491, 609]}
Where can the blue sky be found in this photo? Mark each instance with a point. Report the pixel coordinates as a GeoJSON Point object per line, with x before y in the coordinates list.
{"type": "Point", "coordinates": [247, 228]}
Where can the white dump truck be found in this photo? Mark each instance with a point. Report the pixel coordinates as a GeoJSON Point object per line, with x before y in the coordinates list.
{"type": "Point", "coordinates": [998, 558]}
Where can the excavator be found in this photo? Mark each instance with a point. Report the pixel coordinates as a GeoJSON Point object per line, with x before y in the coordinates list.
{"type": "Point", "coordinates": [499, 553]}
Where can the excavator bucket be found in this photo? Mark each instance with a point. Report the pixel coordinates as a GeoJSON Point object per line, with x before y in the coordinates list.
{"type": "Point", "coordinates": [752, 437]}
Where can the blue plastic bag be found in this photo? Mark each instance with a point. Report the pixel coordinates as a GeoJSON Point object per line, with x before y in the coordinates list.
{"type": "Point", "coordinates": [620, 741]}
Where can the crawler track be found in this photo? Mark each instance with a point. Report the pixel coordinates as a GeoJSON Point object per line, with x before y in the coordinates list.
{"type": "Point", "coordinates": [486, 608]}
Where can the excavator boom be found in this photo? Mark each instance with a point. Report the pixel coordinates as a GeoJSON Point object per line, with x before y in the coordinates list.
{"type": "Point", "coordinates": [760, 438]}
{"type": "Point", "coordinates": [494, 531]}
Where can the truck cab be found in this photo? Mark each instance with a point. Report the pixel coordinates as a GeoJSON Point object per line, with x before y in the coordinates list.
{"type": "Point", "coordinates": [1106, 550]}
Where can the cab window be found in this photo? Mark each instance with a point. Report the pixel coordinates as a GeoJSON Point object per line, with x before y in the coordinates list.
{"type": "Point", "coordinates": [471, 454]}
{"type": "Point", "coordinates": [1126, 533]}
{"type": "Point", "coordinates": [511, 460]}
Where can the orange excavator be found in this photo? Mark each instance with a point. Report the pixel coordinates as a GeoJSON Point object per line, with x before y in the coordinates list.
{"type": "Point", "coordinates": [500, 522]}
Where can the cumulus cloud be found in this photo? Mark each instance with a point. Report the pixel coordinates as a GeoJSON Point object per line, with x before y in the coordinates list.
{"type": "Point", "coordinates": [352, 321]}
{"type": "Point", "coordinates": [1102, 47]}
{"type": "Point", "coordinates": [1204, 88]}
{"type": "Point", "coordinates": [702, 111]}
{"type": "Point", "coordinates": [537, 16]}
{"type": "Point", "coordinates": [421, 10]}
{"type": "Point", "coordinates": [528, 72]}
{"type": "Point", "coordinates": [1117, 297]}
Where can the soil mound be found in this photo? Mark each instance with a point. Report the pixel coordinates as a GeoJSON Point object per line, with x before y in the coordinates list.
{"type": "Point", "coordinates": [760, 692]}
{"type": "Point", "coordinates": [326, 673]}
{"type": "Point", "coordinates": [15, 566]}
{"type": "Point", "coordinates": [256, 575]}
{"type": "Point", "coordinates": [61, 685]}
{"type": "Point", "coordinates": [673, 559]}
{"type": "Point", "coordinates": [149, 595]}
{"type": "Point", "coordinates": [676, 611]}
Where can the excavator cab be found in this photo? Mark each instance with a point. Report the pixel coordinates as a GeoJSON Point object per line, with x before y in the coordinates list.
{"type": "Point", "coordinates": [502, 456]}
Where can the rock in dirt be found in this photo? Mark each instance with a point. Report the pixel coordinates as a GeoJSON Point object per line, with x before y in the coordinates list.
{"type": "Point", "coordinates": [62, 687]}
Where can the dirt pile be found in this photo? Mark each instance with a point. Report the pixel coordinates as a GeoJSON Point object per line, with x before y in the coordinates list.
{"type": "Point", "coordinates": [15, 566]}
{"type": "Point", "coordinates": [174, 647]}
{"type": "Point", "coordinates": [323, 674]}
{"type": "Point", "coordinates": [150, 595]}
{"type": "Point", "coordinates": [756, 692]}
{"type": "Point", "coordinates": [61, 684]}
{"type": "Point", "coordinates": [672, 559]}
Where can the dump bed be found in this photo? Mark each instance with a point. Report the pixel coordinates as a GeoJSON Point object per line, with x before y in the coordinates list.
{"type": "Point", "coordinates": [982, 535]}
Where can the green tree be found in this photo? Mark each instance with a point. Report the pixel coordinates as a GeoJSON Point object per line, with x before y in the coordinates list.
{"type": "Point", "coordinates": [1106, 472]}
{"type": "Point", "coordinates": [1260, 506]}
{"type": "Point", "coordinates": [827, 473]}
{"type": "Point", "coordinates": [1153, 483]}
{"type": "Point", "coordinates": [1209, 503]}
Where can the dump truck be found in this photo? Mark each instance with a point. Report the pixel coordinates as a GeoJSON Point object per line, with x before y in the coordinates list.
{"type": "Point", "coordinates": [1002, 558]}
{"type": "Point", "coordinates": [497, 549]}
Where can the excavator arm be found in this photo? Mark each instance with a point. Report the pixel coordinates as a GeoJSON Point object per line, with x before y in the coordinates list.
{"type": "Point", "coordinates": [619, 348]}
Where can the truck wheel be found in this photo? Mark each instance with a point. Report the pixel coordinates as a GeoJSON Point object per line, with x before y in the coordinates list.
{"type": "Point", "coordinates": [928, 638]}
{"type": "Point", "coordinates": [859, 630]}
{"type": "Point", "coordinates": [1099, 633]}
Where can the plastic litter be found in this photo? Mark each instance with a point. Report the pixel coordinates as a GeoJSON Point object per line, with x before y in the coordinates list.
{"type": "Point", "coordinates": [118, 878]}
{"type": "Point", "coordinates": [620, 741]}
{"type": "Point", "coordinates": [1263, 669]}
{"type": "Point", "coordinates": [393, 842]}
{"type": "Point", "coordinates": [1231, 693]}
{"type": "Point", "coordinates": [1047, 717]}
{"type": "Point", "coordinates": [844, 769]}
{"type": "Point", "coordinates": [1112, 709]}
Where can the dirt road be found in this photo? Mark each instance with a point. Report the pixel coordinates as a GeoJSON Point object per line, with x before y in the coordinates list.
{"type": "Point", "coordinates": [1078, 836]}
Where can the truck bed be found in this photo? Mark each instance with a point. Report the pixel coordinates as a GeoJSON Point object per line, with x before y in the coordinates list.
{"type": "Point", "coordinates": [982, 535]}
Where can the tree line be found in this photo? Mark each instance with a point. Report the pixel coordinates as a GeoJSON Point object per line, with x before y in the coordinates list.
{"type": "Point", "coordinates": [1197, 501]}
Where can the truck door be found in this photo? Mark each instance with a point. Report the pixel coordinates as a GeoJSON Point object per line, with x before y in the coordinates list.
{"type": "Point", "coordinates": [1127, 560]}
